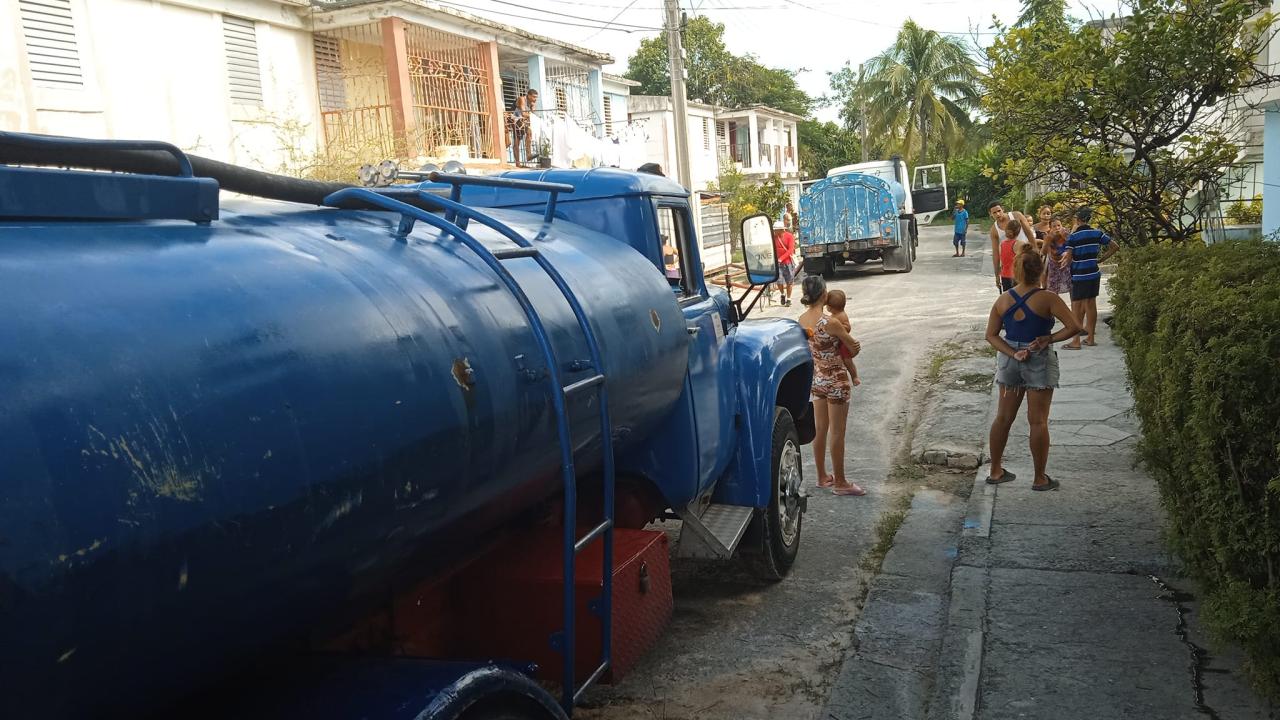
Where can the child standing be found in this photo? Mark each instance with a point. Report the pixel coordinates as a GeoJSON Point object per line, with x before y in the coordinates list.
{"type": "Point", "coordinates": [835, 306]}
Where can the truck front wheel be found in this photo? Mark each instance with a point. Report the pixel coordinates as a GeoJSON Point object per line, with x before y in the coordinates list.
{"type": "Point", "coordinates": [774, 538]}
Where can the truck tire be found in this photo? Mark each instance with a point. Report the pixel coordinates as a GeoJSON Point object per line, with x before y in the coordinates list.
{"type": "Point", "coordinates": [774, 535]}
{"type": "Point", "coordinates": [829, 269]}
{"type": "Point", "coordinates": [915, 238]}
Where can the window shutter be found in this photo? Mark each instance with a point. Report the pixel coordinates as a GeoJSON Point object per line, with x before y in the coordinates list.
{"type": "Point", "coordinates": [50, 34]}
{"type": "Point", "coordinates": [243, 76]}
{"type": "Point", "coordinates": [608, 115]}
{"type": "Point", "coordinates": [706, 133]}
{"type": "Point", "coordinates": [333, 91]}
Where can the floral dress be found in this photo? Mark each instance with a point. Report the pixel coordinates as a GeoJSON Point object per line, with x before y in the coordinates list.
{"type": "Point", "coordinates": [830, 379]}
{"type": "Point", "coordinates": [1059, 278]}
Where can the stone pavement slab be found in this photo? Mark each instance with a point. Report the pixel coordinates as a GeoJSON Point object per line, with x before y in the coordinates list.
{"type": "Point", "coordinates": [1054, 610]}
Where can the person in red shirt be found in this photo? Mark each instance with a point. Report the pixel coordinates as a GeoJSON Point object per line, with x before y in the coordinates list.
{"type": "Point", "coordinates": [784, 244]}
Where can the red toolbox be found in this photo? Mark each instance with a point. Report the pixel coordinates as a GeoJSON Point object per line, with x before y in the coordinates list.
{"type": "Point", "coordinates": [510, 608]}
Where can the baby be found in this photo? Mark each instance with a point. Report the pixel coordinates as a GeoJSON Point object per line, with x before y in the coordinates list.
{"type": "Point", "coordinates": [835, 306]}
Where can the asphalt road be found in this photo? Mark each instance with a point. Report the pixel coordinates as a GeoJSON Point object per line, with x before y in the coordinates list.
{"type": "Point", "coordinates": [739, 649]}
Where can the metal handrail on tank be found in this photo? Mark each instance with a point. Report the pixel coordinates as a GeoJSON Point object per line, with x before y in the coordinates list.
{"type": "Point", "coordinates": [573, 545]}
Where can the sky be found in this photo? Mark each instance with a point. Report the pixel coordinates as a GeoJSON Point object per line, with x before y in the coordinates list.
{"type": "Point", "coordinates": [814, 36]}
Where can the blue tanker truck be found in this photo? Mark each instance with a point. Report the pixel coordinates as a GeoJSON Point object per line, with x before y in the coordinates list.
{"type": "Point", "coordinates": [865, 212]}
{"type": "Point", "coordinates": [342, 452]}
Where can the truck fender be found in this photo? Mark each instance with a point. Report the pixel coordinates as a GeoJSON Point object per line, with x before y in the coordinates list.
{"type": "Point", "coordinates": [774, 368]}
{"type": "Point", "coordinates": [492, 691]}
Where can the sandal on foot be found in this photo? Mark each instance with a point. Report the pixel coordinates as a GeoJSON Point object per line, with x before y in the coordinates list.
{"type": "Point", "coordinates": [1050, 484]}
{"type": "Point", "coordinates": [1006, 477]}
{"type": "Point", "coordinates": [826, 482]}
{"type": "Point", "coordinates": [852, 489]}
{"type": "Point", "coordinates": [1070, 347]}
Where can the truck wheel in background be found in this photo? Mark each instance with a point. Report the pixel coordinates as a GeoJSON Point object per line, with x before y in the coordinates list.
{"type": "Point", "coordinates": [773, 539]}
{"type": "Point", "coordinates": [915, 239]}
{"type": "Point", "coordinates": [829, 269]}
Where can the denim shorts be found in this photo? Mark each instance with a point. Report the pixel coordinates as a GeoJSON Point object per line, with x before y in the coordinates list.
{"type": "Point", "coordinates": [1038, 372]}
{"type": "Point", "coordinates": [786, 273]}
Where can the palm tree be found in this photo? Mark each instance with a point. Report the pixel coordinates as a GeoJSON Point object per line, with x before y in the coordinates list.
{"type": "Point", "coordinates": [921, 89]}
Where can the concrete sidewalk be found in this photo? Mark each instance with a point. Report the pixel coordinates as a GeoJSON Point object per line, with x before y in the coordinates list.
{"type": "Point", "coordinates": [1065, 604]}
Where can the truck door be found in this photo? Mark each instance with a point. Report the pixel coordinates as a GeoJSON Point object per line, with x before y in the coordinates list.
{"type": "Point", "coordinates": [709, 382]}
{"type": "Point", "coordinates": [929, 191]}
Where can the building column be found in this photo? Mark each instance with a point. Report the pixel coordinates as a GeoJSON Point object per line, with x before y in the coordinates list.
{"type": "Point", "coordinates": [538, 79]}
{"type": "Point", "coordinates": [497, 113]}
{"type": "Point", "coordinates": [595, 89]}
{"type": "Point", "coordinates": [1271, 171]}
{"type": "Point", "coordinates": [404, 122]}
{"type": "Point", "coordinates": [753, 141]}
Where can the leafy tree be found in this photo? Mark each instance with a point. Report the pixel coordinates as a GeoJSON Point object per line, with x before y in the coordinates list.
{"type": "Point", "coordinates": [747, 198]}
{"type": "Point", "coordinates": [1132, 109]}
{"type": "Point", "coordinates": [919, 91]}
{"type": "Point", "coordinates": [1042, 12]}
{"type": "Point", "coordinates": [716, 75]}
{"type": "Point", "coordinates": [977, 179]}
{"type": "Point", "coordinates": [824, 145]}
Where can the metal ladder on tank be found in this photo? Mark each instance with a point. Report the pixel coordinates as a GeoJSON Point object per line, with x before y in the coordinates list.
{"type": "Point", "coordinates": [455, 221]}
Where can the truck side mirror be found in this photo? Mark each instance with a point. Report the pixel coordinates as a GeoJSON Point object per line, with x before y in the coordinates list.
{"type": "Point", "coordinates": [759, 258]}
{"type": "Point", "coordinates": [758, 252]}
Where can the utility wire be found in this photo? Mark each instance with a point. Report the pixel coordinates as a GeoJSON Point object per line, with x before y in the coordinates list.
{"type": "Point", "coordinates": [597, 27]}
{"type": "Point", "coordinates": [559, 14]}
{"type": "Point", "coordinates": [615, 17]}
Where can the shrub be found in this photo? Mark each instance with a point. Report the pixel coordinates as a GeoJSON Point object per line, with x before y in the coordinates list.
{"type": "Point", "coordinates": [1242, 213]}
{"type": "Point", "coordinates": [1200, 329]}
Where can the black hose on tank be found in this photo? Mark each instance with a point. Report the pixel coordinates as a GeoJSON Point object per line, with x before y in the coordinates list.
{"type": "Point", "coordinates": [233, 178]}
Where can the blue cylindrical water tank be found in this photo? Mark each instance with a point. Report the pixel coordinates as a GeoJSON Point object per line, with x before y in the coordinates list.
{"type": "Point", "coordinates": [213, 438]}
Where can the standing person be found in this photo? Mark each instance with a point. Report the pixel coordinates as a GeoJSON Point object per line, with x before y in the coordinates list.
{"type": "Point", "coordinates": [1086, 247]}
{"type": "Point", "coordinates": [962, 227]}
{"type": "Point", "coordinates": [784, 244]}
{"type": "Point", "coordinates": [1057, 279]}
{"type": "Point", "coordinates": [1004, 266]}
{"type": "Point", "coordinates": [1010, 246]}
{"type": "Point", "coordinates": [525, 106]}
{"type": "Point", "coordinates": [1041, 228]}
{"type": "Point", "coordinates": [790, 220]}
{"type": "Point", "coordinates": [1027, 365]}
{"type": "Point", "coordinates": [831, 385]}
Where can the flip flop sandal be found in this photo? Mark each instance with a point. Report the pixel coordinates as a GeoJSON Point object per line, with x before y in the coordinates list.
{"type": "Point", "coordinates": [1006, 477]}
{"type": "Point", "coordinates": [1050, 485]}
{"type": "Point", "coordinates": [826, 482]}
{"type": "Point", "coordinates": [1070, 347]}
{"type": "Point", "coordinates": [852, 490]}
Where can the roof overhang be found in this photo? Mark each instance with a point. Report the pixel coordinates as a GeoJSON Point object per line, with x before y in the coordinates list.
{"type": "Point", "coordinates": [332, 14]}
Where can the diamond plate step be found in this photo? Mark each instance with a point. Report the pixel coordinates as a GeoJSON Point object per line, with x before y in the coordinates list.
{"type": "Point", "coordinates": [715, 533]}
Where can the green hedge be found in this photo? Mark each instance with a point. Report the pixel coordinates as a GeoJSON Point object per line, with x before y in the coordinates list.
{"type": "Point", "coordinates": [1200, 328]}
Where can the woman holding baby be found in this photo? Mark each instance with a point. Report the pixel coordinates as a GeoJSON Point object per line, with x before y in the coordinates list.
{"type": "Point", "coordinates": [833, 378]}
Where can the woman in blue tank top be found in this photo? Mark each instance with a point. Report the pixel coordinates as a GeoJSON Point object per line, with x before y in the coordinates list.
{"type": "Point", "coordinates": [1027, 364]}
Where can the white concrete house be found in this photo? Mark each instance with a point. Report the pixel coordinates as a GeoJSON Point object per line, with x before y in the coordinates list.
{"type": "Point", "coordinates": [261, 82]}
{"type": "Point", "coordinates": [761, 141]}
{"type": "Point", "coordinates": [652, 115]}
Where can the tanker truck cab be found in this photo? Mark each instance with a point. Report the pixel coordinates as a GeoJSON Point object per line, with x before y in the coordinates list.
{"type": "Point", "coordinates": [722, 461]}
{"type": "Point", "coordinates": [295, 455]}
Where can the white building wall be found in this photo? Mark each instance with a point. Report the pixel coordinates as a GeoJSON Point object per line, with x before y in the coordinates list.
{"type": "Point", "coordinates": [157, 71]}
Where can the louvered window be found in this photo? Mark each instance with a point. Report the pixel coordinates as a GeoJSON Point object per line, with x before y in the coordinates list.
{"type": "Point", "coordinates": [333, 91]}
{"type": "Point", "coordinates": [706, 133]}
{"type": "Point", "coordinates": [243, 76]}
{"type": "Point", "coordinates": [608, 115]}
{"type": "Point", "coordinates": [50, 34]}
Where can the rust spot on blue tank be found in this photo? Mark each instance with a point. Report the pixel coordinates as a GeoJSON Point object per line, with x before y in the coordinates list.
{"type": "Point", "coordinates": [463, 374]}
